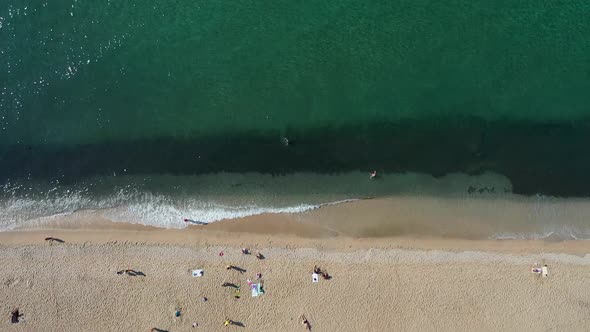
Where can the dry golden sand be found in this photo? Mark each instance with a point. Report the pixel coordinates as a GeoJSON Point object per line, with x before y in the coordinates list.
{"type": "Point", "coordinates": [379, 284]}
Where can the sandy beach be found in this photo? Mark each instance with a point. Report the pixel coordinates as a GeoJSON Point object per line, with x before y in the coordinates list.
{"type": "Point", "coordinates": [393, 283]}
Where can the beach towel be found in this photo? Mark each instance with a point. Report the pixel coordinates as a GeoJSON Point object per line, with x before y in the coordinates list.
{"type": "Point", "coordinates": [545, 271]}
{"type": "Point", "coordinates": [255, 291]}
{"type": "Point", "coordinates": [315, 277]}
{"type": "Point", "coordinates": [197, 273]}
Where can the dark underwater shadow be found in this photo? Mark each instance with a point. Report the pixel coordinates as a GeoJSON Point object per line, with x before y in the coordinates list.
{"type": "Point", "coordinates": [550, 158]}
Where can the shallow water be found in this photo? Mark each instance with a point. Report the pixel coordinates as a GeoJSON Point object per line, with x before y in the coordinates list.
{"type": "Point", "coordinates": [142, 103]}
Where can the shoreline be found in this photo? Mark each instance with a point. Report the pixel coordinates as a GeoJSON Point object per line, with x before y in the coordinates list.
{"type": "Point", "coordinates": [274, 231]}
{"type": "Point", "coordinates": [380, 221]}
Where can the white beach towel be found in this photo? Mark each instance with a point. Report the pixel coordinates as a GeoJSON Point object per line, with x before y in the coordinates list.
{"type": "Point", "coordinates": [545, 271]}
{"type": "Point", "coordinates": [197, 273]}
{"type": "Point", "coordinates": [315, 277]}
{"type": "Point", "coordinates": [255, 292]}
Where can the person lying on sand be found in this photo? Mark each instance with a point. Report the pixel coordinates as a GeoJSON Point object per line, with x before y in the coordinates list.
{"type": "Point", "coordinates": [259, 255]}
{"type": "Point", "coordinates": [305, 322]}
{"type": "Point", "coordinates": [325, 275]}
{"type": "Point", "coordinates": [316, 269]}
{"type": "Point", "coordinates": [245, 251]}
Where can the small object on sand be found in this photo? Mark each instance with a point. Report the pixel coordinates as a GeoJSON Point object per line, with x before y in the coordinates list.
{"type": "Point", "coordinates": [545, 271]}
{"type": "Point", "coordinates": [204, 299]}
{"type": "Point", "coordinates": [195, 324]}
{"type": "Point", "coordinates": [229, 267]}
{"type": "Point", "coordinates": [227, 322]}
{"type": "Point", "coordinates": [221, 254]}
{"type": "Point", "coordinates": [177, 313]}
{"type": "Point", "coordinates": [315, 277]}
{"type": "Point", "coordinates": [198, 273]}
{"type": "Point", "coordinates": [237, 293]}
{"type": "Point", "coordinates": [258, 275]}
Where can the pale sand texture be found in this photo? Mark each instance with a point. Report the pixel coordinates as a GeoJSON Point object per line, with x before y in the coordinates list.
{"type": "Point", "coordinates": [417, 282]}
{"type": "Point", "coordinates": [74, 287]}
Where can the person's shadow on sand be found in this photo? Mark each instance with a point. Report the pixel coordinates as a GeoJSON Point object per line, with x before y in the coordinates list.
{"type": "Point", "coordinates": [237, 268]}
{"type": "Point", "coordinates": [132, 273]}
{"type": "Point", "coordinates": [54, 239]}
{"type": "Point", "coordinates": [240, 324]}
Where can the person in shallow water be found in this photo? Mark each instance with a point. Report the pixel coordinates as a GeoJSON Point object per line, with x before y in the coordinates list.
{"type": "Point", "coordinates": [373, 175]}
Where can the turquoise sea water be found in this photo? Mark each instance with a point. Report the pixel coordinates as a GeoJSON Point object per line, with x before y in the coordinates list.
{"type": "Point", "coordinates": [93, 89]}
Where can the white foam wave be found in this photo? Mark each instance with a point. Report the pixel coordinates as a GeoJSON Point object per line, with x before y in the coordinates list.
{"type": "Point", "coordinates": [564, 233]}
{"type": "Point", "coordinates": [159, 211]}
{"type": "Point", "coordinates": [132, 206]}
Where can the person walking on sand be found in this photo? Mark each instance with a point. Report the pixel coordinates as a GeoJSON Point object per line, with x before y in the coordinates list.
{"type": "Point", "coordinates": [305, 322]}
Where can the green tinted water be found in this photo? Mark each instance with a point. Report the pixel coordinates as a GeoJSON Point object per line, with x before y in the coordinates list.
{"type": "Point", "coordinates": [95, 71]}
